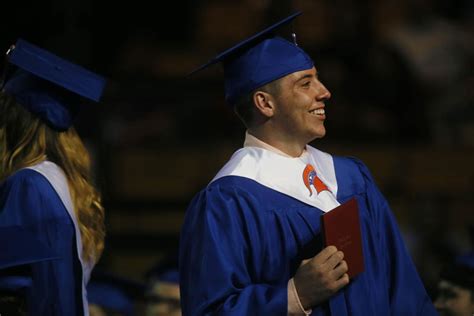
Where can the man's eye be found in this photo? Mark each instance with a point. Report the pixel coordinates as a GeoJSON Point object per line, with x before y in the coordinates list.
{"type": "Point", "coordinates": [306, 84]}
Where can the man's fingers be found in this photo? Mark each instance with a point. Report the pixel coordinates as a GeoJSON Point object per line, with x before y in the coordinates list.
{"type": "Point", "coordinates": [343, 281]}
{"type": "Point", "coordinates": [334, 260]}
{"type": "Point", "coordinates": [325, 254]}
{"type": "Point", "coordinates": [340, 270]}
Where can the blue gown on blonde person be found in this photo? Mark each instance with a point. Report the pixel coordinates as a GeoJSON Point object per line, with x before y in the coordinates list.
{"type": "Point", "coordinates": [36, 207]}
{"type": "Point", "coordinates": [29, 201]}
{"type": "Point", "coordinates": [242, 241]}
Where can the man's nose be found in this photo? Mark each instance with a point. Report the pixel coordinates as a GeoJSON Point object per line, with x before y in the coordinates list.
{"type": "Point", "coordinates": [323, 92]}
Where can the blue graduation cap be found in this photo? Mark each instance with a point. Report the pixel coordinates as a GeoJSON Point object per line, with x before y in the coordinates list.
{"type": "Point", "coordinates": [163, 285]}
{"type": "Point", "coordinates": [169, 276]}
{"type": "Point", "coordinates": [166, 270]}
{"type": "Point", "coordinates": [258, 60]}
{"type": "Point", "coordinates": [19, 247]}
{"type": "Point", "coordinates": [114, 293]}
{"type": "Point", "coordinates": [48, 85]}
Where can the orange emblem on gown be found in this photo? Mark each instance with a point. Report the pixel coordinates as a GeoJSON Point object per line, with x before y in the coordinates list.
{"type": "Point", "coordinates": [310, 178]}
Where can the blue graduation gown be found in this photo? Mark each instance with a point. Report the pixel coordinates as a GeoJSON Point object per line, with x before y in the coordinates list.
{"type": "Point", "coordinates": [241, 242]}
{"type": "Point", "coordinates": [28, 200]}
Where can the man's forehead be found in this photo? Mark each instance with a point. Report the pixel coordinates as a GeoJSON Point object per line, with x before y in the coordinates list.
{"type": "Point", "coordinates": [298, 75]}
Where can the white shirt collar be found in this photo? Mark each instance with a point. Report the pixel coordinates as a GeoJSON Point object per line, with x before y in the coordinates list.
{"type": "Point", "coordinates": [252, 141]}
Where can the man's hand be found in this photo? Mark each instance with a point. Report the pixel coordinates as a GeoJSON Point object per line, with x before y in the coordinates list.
{"type": "Point", "coordinates": [320, 277]}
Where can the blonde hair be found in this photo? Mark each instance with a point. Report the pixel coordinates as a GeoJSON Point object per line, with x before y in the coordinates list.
{"type": "Point", "coordinates": [25, 141]}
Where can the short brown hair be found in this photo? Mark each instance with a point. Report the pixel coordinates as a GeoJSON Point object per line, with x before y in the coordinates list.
{"type": "Point", "coordinates": [244, 107]}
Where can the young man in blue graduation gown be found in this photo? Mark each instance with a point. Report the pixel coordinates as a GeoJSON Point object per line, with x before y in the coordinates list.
{"type": "Point", "coordinates": [45, 187]}
{"type": "Point", "coordinates": [251, 240]}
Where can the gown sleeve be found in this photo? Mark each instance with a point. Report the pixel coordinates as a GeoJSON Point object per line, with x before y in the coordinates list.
{"type": "Point", "coordinates": [23, 198]}
{"type": "Point", "coordinates": [220, 250]}
{"type": "Point", "coordinates": [407, 294]}
{"type": "Point", "coordinates": [28, 203]}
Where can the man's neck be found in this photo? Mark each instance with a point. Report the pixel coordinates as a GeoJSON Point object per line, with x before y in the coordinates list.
{"type": "Point", "coordinates": [289, 148]}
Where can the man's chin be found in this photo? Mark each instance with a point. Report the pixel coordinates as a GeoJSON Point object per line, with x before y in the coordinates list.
{"type": "Point", "coordinates": [319, 136]}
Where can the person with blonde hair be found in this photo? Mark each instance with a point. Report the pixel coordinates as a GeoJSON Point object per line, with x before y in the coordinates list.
{"type": "Point", "coordinates": [46, 187]}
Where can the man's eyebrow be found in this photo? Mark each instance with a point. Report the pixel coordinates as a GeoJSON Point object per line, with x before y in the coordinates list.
{"type": "Point", "coordinates": [307, 76]}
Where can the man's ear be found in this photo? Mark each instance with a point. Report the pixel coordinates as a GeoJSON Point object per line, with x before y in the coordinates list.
{"type": "Point", "coordinates": [264, 102]}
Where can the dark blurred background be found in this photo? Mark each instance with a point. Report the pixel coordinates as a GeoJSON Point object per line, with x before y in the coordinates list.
{"type": "Point", "coordinates": [400, 72]}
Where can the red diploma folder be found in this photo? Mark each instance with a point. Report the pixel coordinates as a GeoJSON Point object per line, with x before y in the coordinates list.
{"type": "Point", "coordinates": [341, 228]}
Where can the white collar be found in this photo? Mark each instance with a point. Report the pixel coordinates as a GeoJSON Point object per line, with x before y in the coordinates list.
{"type": "Point", "coordinates": [283, 173]}
{"type": "Point", "coordinates": [252, 141]}
{"type": "Point", "coordinates": [56, 177]}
